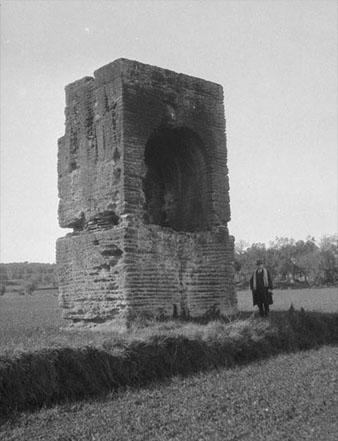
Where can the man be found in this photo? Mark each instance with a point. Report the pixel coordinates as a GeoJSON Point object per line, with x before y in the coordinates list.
{"type": "Point", "coordinates": [261, 286]}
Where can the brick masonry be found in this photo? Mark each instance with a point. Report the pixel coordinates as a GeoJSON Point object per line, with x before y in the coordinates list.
{"type": "Point", "coordinates": [143, 184]}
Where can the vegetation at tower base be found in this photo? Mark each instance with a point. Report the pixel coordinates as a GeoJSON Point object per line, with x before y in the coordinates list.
{"type": "Point", "coordinates": [31, 380]}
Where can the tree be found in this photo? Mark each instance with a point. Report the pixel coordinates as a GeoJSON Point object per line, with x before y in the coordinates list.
{"type": "Point", "coordinates": [3, 279]}
{"type": "Point", "coordinates": [283, 251]}
{"type": "Point", "coordinates": [290, 261]}
{"type": "Point", "coordinates": [329, 259]}
{"type": "Point", "coordinates": [30, 285]}
{"type": "Point", "coordinates": [20, 272]}
{"type": "Point", "coordinates": [308, 266]}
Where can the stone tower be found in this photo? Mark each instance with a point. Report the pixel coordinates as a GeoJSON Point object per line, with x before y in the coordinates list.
{"type": "Point", "coordinates": [143, 183]}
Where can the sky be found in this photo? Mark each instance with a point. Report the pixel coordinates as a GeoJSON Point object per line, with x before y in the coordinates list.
{"type": "Point", "coordinates": [277, 63]}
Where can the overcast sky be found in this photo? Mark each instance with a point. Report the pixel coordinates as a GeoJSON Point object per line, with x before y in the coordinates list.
{"type": "Point", "coordinates": [276, 60]}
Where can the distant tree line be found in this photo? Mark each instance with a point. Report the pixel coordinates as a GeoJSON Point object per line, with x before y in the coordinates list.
{"type": "Point", "coordinates": [291, 263]}
{"type": "Point", "coordinates": [26, 277]}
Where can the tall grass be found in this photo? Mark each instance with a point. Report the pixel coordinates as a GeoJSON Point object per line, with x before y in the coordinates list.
{"type": "Point", "coordinates": [30, 380]}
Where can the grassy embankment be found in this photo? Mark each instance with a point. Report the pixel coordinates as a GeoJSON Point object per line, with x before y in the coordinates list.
{"type": "Point", "coordinates": [290, 397]}
{"type": "Point", "coordinates": [70, 366]}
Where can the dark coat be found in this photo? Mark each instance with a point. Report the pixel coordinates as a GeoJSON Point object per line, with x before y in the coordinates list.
{"type": "Point", "coordinates": [262, 294]}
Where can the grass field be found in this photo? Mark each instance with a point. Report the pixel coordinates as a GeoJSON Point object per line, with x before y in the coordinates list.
{"type": "Point", "coordinates": [315, 299]}
{"type": "Point", "coordinates": [299, 390]}
{"type": "Point", "coordinates": [35, 322]}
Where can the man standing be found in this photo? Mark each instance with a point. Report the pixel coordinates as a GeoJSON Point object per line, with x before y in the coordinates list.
{"type": "Point", "coordinates": [261, 286]}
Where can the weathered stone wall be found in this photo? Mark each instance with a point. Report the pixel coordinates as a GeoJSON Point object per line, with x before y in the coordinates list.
{"type": "Point", "coordinates": [180, 273]}
{"type": "Point", "coordinates": [143, 182]}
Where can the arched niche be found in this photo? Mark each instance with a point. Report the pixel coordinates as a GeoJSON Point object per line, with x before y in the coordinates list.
{"type": "Point", "coordinates": [176, 181]}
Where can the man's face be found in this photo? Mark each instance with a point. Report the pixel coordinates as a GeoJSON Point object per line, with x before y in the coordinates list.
{"type": "Point", "coordinates": [260, 266]}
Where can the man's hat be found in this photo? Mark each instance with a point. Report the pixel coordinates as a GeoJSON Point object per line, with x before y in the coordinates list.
{"type": "Point", "coordinates": [259, 262]}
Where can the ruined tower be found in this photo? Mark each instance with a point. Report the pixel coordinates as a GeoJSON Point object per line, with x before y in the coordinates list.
{"type": "Point", "coordinates": [143, 183]}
